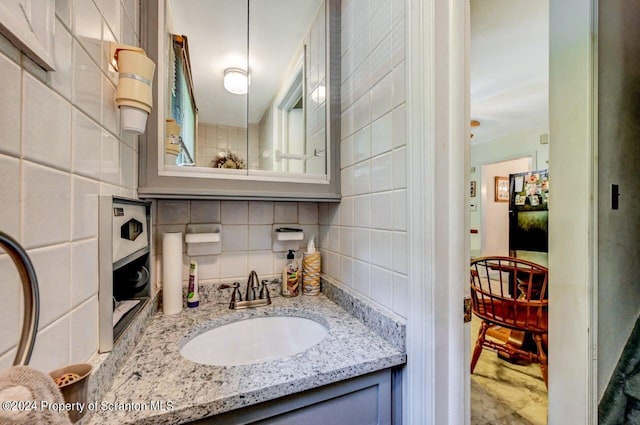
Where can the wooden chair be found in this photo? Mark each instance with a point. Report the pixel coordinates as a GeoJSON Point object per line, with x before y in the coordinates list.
{"type": "Point", "coordinates": [512, 293]}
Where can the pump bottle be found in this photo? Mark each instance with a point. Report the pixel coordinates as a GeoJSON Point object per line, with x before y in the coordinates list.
{"type": "Point", "coordinates": [291, 276]}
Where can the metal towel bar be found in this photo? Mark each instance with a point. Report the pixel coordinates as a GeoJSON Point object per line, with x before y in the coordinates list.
{"type": "Point", "coordinates": [31, 298]}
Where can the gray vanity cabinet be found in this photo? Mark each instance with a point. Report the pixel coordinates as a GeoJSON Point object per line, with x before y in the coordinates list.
{"type": "Point", "coordinates": [372, 399]}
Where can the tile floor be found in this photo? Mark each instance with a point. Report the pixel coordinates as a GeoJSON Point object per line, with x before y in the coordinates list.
{"type": "Point", "coordinates": [503, 393]}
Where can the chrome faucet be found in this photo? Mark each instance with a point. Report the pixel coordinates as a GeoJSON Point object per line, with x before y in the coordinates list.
{"type": "Point", "coordinates": [250, 299]}
{"type": "Point", "coordinates": [31, 298]}
{"type": "Point", "coordinates": [252, 285]}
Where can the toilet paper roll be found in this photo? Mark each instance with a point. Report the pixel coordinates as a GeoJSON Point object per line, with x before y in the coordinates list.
{"type": "Point", "coordinates": [172, 273]}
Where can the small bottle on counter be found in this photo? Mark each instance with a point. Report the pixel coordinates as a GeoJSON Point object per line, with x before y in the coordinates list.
{"type": "Point", "coordinates": [291, 276]}
{"type": "Point", "coordinates": [193, 299]}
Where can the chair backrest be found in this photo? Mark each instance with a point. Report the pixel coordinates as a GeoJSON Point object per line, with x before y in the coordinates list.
{"type": "Point", "coordinates": [510, 292]}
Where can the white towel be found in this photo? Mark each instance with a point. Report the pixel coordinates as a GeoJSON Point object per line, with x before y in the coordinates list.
{"type": "Point", "coordinates": [28, 396]}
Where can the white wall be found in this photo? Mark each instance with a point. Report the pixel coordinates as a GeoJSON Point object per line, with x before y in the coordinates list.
{"type": "Point", "coordinates": [526, 143]}
{"type": "Point", "coordinates": [495, 215]}
{"type": "Point", "coordinates": [618, 230]}
{"type": "Point", "coordinates": [61, 147]}
{"type": "Point", "coordinates": [363, 239]}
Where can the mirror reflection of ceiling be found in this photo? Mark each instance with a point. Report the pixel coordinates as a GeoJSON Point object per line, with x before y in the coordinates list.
{"type": "Point", "coordinates": [217, 35]}
{"type": "Point", "coordinates": [509, 67]}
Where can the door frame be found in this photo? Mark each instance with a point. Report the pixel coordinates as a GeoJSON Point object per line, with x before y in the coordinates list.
{"type": "Point", "coordinates": [573, 218]}
{"type": "Point", "coordinates": [437, 376]}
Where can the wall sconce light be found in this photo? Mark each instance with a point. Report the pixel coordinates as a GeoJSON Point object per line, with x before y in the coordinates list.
{"type": "Point", "coordinates": [236, 81]}
{"type": "Point", "coordinates": [133, 95]}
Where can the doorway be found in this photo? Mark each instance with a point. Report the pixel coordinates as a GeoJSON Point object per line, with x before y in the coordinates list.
{"type": "Point", "coordinates": [438, 244]}
{"type": "Point", "coordinates": [509, 107]}
{"type": "Point", "coordinates": [571, 289]}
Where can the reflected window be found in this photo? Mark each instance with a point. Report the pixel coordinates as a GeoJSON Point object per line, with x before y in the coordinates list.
{"type": "Point", "coordinates": [183, 104]}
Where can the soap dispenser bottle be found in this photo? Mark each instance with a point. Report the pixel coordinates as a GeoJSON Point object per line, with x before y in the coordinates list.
{"type": "Point", "coordinates": [291, 276]}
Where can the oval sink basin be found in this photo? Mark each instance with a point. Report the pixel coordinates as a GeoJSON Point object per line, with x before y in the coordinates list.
{"type": "Point", "coordinates": [254, 340]}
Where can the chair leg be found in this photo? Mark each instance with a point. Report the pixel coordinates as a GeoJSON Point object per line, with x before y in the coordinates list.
{"type": "Point", "coordinates": [542, 358]}
{"type": "Point", "coordinates": [479, 344]}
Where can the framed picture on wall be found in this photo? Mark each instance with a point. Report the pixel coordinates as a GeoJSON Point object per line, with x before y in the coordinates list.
{"type": "Point", "coordinates": [473, 189]}
{"type": "Point", "coordinates": [501, 189]}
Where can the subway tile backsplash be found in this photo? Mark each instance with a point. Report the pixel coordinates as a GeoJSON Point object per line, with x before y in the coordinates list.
{"type": "Point", "coordinates": [61, 147]}
{"type": "Point", "coordinates": [247, 234]}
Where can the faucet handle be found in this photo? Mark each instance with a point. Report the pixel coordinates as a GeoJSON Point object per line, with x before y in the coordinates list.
{"type": "Point", "coordinates": [236, 296]}
{"type": "Point", "coordinates": [264, 291]}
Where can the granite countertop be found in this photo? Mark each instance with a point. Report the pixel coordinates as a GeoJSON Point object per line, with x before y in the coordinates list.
{"type": "Point", "coordinates": [157, 385]}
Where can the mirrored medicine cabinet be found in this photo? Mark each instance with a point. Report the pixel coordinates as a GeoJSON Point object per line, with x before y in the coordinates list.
{"type": "Point", "coordinates": [246, 100]}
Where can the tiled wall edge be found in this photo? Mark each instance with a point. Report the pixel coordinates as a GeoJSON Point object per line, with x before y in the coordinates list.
{"type": "Point", "coordinates": [385, 323]}
{"type": "Point", "coordinates": [107, 365]}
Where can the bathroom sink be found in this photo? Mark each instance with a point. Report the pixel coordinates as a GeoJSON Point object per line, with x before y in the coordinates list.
{"type": "Point", "coordinates": [254, 340]}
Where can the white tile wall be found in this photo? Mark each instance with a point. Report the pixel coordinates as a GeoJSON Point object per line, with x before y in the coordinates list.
{"type": "Point", "coordinates": [370, 255]}
{"type": "Point", "coordinates": [52, 267]}
{"type": "Point", "coordinates": [87, 82]}
{"type": "Point", "coordinates": [234, 264]}
{"type": "Point", "coordinates": [382, 248]}
{"type": "Point", "coordinates": [260, 236]}
{"type": "Point", "coordinates": [285, 212]}
{"type": "Point", "coordinates": [213, 139]}
{"type": "Point", "coordinates": [86, 142]}
{"type": "Point", "coordinates": [346, 211]}
{"type": "Point", "coordinates": [52, 348]}
{"type": "Point", "coordinates": [235, 237]}
{"type": "Point", "coordinates": [10, 305]}
{"type": "Point", "coordinates": [247, 233]}
{"type": "Point", "coordinates": [382, 286]}
{"type": "Point", "coordinates": [234, 212]}
{"type": "Point", "coordinates": [261, 212]}
{"type": "Point", "coordinates": [362, 277]}
{"type": "Point", "coordinates": [205, 211]}
{"type": "Point", "coordinates": [84, 270]}
{"type": "Point", "coordinates": [10, 105]}
{"type": "Point", "coordinates": [61, 147]}
{"type": "Point", "coordinates": [46, 198]}
{"type": "Point", "coordinates": [381, 211]}
{"type": "Point", "coordinates": [46, 126]}
{"type": "Point", "coordinates": [84, 330]}
{"type": "Point", "coordinates": [308, 213]}
{"type": "Point", "coordinates": [110, 167]}
{"type": "Point", "coordinates": [10, 195]}
{"type": "Point", "coordinates": [63, 12]}
{"type": "Point", "coordinates": [362, 211]}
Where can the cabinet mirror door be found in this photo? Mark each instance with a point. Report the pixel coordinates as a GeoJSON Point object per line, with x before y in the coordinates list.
{"type": "Point", "coordinates": [207, 104]}
{"type": "Point", "coordinates": [246, 90]}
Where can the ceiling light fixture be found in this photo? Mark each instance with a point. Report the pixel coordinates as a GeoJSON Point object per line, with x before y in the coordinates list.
{"type": "Point", "coordinates": [236, 81]}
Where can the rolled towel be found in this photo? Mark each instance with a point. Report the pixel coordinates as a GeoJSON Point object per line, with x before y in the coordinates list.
{"type": "Point", "coordinates": [28, 396]}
